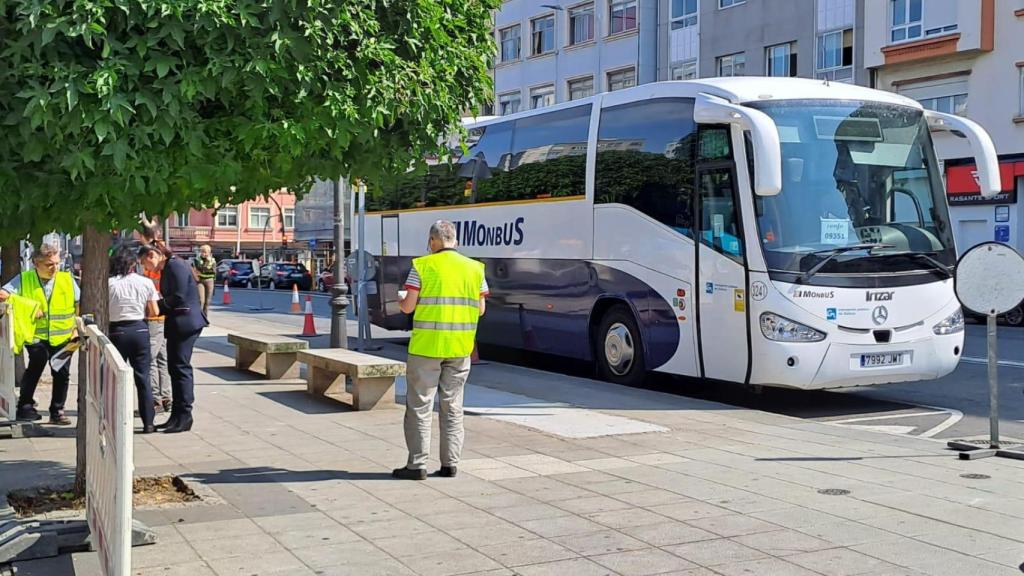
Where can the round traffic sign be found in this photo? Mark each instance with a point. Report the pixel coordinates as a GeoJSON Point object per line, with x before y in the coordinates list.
{"type": "Point", "coordinates": [990, 278]}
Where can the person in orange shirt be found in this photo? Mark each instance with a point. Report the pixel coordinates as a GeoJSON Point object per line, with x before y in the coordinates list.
{"type": "Point", "coordinates": [159, 377]}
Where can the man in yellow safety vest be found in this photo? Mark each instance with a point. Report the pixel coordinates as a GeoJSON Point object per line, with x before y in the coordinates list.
{"type": "Point", "coordinates": [446, 290]}
{"type": "Point", "coordinates": [58, 295]}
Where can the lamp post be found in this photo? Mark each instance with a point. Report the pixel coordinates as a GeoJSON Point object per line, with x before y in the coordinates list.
{"type": "Point", "coordinates": [339, 290]}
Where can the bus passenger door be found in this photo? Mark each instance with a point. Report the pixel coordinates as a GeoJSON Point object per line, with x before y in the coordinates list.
{"type": "Point", "coordinates": [721, 286]}
{"type": "Point", "coordinates": [390, 273]}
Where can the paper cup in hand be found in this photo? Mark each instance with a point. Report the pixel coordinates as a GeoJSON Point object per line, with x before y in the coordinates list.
{"type": "Point", "coordinates": [402, 294]}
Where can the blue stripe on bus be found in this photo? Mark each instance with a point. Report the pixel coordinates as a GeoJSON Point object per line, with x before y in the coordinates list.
{"type": "Point", "coordinates": [545, 305]}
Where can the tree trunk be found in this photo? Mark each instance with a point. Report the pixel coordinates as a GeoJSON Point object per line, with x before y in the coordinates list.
{"type": "Point", "coordinates": [11, 256]}
{"type": "Point", "coordinates": [95, 264]}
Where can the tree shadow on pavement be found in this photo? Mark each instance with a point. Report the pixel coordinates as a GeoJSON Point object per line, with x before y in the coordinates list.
{"type": "Point", "coordinates": [21, 474]}
{"type": "Point", "coordinates": [271, 475]}
{"type": "Point", "coordinates": [301, 401]}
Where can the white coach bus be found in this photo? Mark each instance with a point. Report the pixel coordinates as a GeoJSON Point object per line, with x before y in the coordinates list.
{"type": "Point", "coordinates": [775, 232]}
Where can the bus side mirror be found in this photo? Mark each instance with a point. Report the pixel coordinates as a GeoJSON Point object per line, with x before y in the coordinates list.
{"type": "Point", "coordinates": [985, 157]}
{"type": "Point", "coordinates": [763, 133]}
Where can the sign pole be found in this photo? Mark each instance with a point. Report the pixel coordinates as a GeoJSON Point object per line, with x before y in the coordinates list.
{"type": "Point", "coordinates": [993, 382]}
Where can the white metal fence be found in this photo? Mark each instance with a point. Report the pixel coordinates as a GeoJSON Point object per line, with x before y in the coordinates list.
{"type": "Point", "coordinates": [108, 490]}
{"type": "Point", "coordinates": [8, 402]}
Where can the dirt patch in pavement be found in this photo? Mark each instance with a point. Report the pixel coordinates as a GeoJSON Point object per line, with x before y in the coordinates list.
{"type": "Point", "coordinates": [150, 491]}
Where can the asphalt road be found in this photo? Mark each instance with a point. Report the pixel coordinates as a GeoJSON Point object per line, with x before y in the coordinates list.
{"type": "Point", "coordinates": [955, 406]}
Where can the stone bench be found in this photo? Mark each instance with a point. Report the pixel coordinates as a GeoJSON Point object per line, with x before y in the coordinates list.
{"type": "Point", "coordinates": [373, 378]}
{"type": "Point", "coordinates": [275, 355]}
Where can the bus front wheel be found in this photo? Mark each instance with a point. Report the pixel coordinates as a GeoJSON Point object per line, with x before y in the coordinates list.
{"type": "Point", "coordinates": [618, 349]}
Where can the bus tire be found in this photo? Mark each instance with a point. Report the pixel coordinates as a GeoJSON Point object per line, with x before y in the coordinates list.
{"type": "Point", "coordinates": [618, 348]}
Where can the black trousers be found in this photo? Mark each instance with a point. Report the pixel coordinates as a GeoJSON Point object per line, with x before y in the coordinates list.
{"type": "Point", "coordinates": [179, 364]}
{"type": "Point", "coordinates": [131, 338]}
{"type": "Point", "coordinates": [39, 355]}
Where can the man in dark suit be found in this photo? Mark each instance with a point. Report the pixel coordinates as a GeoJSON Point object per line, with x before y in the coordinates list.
{"type": "Point", "coordinates": [183, 325]}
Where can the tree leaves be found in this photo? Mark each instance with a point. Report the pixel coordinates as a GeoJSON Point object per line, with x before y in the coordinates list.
{"type": "Point", "coordinates": [112, 107]}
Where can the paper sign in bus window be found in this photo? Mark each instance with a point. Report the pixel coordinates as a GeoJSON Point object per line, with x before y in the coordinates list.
{"type": "Point", "coordinates": [717, 225]}
{"type": "Point", "coordinates": [835, 231]}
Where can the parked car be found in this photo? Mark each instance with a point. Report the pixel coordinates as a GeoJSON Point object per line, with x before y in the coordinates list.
{"type": "Point", "coordinates": [223, 266]}
{"type": "Point", "coordinates": [238, 274]}
{"type": "Point", "coordinates": [325, 281]}
{"type": "Point", "coordinates": [284, 275]}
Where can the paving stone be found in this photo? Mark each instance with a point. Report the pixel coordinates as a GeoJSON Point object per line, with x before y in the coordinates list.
{"type": "Point", "coordinates": [450, 562]}
{"type": "Point", "coordinates": [656, 458]}
{"type": "Point", "coordinates": [195, 532]}
{"type": "Point", "coordinates": [605, 463]}
{"type": "Point", "coordinates": [293, 522]}
{"type": "Point", "coordinates": [163, 554]}
{"type": "Point", "coordinates": [187, 569]}
{"type": "Point", "coordinates": [763, 567]}
{"type": "Point", "coordinates": [614, 487]}
{"type": "Point", "coordinates": [710, 553]}
{"type": "Point", "coordinates": [839, 562]}
{"type": "Point", "coordinates": [530, 512]}
{"type": "Point", "coordinates": [733, 525]}
{"type": "Point", "coordinates": [796, 517]}
{"type": "Point", "coordinates": [415, 543]}
{"type": "Point", "coordinates": [783, 542]}
{"type": "Point", "coordinates": [497, 532]}
{"type": "Point", "coordinates": [561, 526]}
{"type": "Point", "coordinates": [527, 552]}
{"type": "Point", "coordinates": [323, 536]}
{"type": "Point", "coordinates": [380, 567]}
{"type": "Point", "coordinates": [652, 497]}
{"type": "Point", "coordinates": [604, 542]}
{"type": "Point", "coordinates": [626, 518]}
{"type": "Point", "coordinates": [457, 520]}
{"type": "Point", "coordinates": [592, 504]}
{"type": "Point", "coordinates": [691, 510]}
{"type": "Point", "coordinates": [388, 528]}
{"type": "Point", "coordinates": [643, 562]}
{"type": "Point", "coordinates": [574, 567]}
{"type": "Point", "coordinates": [668, 533]}
{"type": "Point", "coordinates": [848, 533]}
{"type": "Point", "coordinates": [318, 557]}
{"type": "Point", "coordinates": [275, 563]}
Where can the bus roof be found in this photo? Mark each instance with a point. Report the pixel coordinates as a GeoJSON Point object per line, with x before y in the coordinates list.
{"type": "Point", "coordinates": [737, 89]}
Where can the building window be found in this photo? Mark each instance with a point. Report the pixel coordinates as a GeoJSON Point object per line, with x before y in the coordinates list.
{"type": "Point", "coordinates": [258, 217]}
{"type": "Point", "coordinates": [508, 103]}
{"type": "Point", "coordinates": [941, 30]}
{"type": "Point", "coordinates": [906, 20]}
{"type": "Point", "coordinates": [684, 70]}
{"type": "Point", "coordinates": [581, 24]}
{"type": "Point", "coordinates": [623, 15]}
{"type": "Point", "coordinates": [621, 79]}
{"type": "Point", "coordinates": [955, 104]}
{"type": "Point", "coordinates": [227, 217]}
{"type": "Point", "coordinates": [684, 13]}
{"type": "Point", "coordinates": [732, 65]}
{"type": "Point", "coordinates": [181, 219]}
{"type": "Point", "coordinates": [728, 3]}
{"type": "Point", "coordinates": [543, 30]}
{"type": "Point", "coordinates": [510, 43]}
{"type": "Point", "coordinates": [289, 218]}
{"type": "Point", "coordinates": [542, 96]}
{"type": "Point", "coordinates": [581, 88]}
{"type": "Point", "coordinates": [780, 60]}
{"type": "Point", "coordinates": [835, 55]}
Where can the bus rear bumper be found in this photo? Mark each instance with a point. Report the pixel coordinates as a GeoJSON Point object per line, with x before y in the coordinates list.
{"type": "Point", "coordinates": [843, 365]}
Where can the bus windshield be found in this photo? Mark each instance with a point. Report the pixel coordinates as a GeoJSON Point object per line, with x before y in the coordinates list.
{"type": "Point", "coordinates": [854, 174]}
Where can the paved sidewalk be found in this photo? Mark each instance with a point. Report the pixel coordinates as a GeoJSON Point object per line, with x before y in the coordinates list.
{"type": "Point", "coordinates": [300, 486]}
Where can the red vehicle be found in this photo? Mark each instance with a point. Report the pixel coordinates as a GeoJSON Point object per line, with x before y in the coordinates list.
{"type": "Point", "coordinates": [325, 281]}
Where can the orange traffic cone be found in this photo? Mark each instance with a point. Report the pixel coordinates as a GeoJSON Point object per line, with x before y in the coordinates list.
{"type": "Point", "coordinates": [226, 294]}
{"type": "Point", "coordinates": [309, 329]}
{"type": "Point", "coordinates": [295, 300]}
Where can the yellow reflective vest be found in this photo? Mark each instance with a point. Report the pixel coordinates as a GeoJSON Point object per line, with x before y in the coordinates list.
{"type": "Point", "coordinates": [448, 309]}
{"type": "Point", "coordinates": [23, 320]}
{"type": "Point", "coordinates": [58, 321]}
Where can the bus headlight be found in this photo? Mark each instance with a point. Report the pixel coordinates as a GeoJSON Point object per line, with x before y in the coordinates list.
{"type": "Point", "coordinates": [951, 325]}
{"type": "Point", "coordinates": [779, 329]}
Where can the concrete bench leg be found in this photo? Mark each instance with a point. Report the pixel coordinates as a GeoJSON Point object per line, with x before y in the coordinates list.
{"type": "Point", "coordinates": [370, 393]}
{"type": "Point", "coordinates": [282, 365]}
{"type": "Point", "coordinates": [245, 359]}
{"type": "Point", "coordinates": [323, 382]}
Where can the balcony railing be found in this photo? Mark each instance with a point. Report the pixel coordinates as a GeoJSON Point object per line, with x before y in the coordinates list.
{"type": "Point", "coordinates": [192, 234]}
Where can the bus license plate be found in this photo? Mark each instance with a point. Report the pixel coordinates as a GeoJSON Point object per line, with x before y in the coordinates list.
{"type": "Point", "coordinates": [878, 360]}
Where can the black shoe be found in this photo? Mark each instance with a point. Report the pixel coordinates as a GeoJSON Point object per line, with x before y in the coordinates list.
{"type": "Point", "coordinates": [28, 413]}
{"type": "Point", "coordinates": [169, 423]}
{"type": "Point", "coordinates": [184, 424]}
{"type": "Point", "coordinates": [148, 429]}
{"type": "Point", "coordinates": [409, 474]}
{"type": "Point", "coordinates": [447, 471]}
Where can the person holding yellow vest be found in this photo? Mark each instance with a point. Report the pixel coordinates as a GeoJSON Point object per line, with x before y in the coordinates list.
{"type": "Point", "coordinates": [445, 292]}
{"type": "Point", "coordinates": [58, 295]}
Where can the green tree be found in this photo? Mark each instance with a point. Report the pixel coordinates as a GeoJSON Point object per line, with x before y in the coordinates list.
{"type": "Point", "coordinates": [114, 107]}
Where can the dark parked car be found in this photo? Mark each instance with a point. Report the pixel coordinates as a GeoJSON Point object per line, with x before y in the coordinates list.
{"type": "Point", "coordinates": [284, 275]}
{"type": "Point", "coordinates": [238, 274]}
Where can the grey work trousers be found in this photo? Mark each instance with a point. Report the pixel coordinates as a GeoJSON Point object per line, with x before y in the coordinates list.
{"type": "Point", "coordinates": [159, 377]}
{"type": "Point", "coordinates": [424, 377]}
{"type": "Point", "coordinates": [206, 287]}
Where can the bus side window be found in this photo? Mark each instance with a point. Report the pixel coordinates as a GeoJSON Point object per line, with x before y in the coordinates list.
{"type": "Point", "coordinates": [720, 225]}
{"type": "Point", "coordinates": [548, 157]}
{"type": "Point", "coordinates": [645, 160]}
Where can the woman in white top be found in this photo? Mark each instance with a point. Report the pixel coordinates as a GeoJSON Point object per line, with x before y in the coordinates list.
{"type": "Point", "coordinates": [133, 298]}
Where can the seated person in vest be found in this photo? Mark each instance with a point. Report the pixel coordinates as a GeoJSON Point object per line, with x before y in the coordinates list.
{"type": "Point", "coordinates": [58, 295]}
{"type": "Point", "coordinates": [446, 291]}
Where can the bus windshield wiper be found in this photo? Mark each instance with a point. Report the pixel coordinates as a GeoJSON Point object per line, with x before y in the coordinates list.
{"type": "Point", "coordinates": [925, 257]}
{"type": "Point", "coordinates": [831, 254]}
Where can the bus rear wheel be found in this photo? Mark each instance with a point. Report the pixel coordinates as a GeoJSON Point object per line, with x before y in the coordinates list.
{"type": "Point", "coordinates": [618, 348]}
